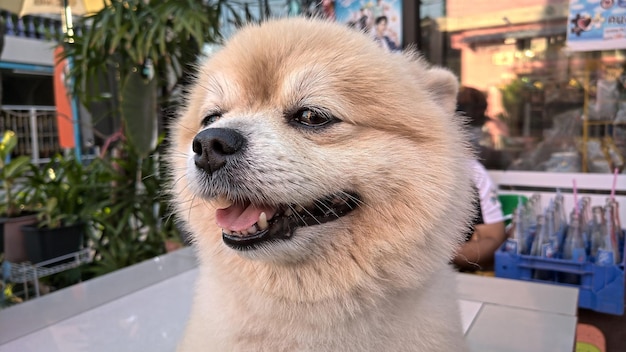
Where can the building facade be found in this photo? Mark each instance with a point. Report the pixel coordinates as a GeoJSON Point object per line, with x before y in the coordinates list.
{"type": "Point", "coordinates": [552, 108]}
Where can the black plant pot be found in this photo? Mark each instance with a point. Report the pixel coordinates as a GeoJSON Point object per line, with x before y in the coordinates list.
{"type": "Point", "coordinates": [44, 244]}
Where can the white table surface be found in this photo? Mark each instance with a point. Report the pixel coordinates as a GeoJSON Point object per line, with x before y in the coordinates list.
{"type": "Point", "coordinates": [519, 315]}
{"type": "Point", "coordinates": [145, 307]}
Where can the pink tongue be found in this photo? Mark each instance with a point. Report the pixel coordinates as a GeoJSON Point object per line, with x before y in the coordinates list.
{"type": "Point", "coordinates": [239, 217]}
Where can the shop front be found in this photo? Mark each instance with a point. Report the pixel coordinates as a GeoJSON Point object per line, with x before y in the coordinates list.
{"type": "Point", "coordinates": [554, 77]}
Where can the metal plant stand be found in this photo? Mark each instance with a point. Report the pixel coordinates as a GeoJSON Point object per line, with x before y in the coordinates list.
{"type": "Point", "coordinates": [26, 271]}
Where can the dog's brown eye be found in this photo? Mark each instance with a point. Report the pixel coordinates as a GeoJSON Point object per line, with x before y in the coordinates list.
{"type": "Point", "coordinates": [311, 118]}
{"type": "Point", "coordinates": [209, 119]}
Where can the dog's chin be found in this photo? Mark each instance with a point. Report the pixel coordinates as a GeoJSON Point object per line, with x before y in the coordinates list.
{"type": "Point", "coordinates": [278, 227]}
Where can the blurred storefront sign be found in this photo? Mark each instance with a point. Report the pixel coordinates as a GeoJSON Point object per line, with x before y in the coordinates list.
{"type": "Point", "coordinates": [596, 25]}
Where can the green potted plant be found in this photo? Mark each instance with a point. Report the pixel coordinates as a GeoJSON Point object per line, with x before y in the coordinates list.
{"type": "Point", "coordinates": [14, 204]}
{"type": "Point", "coordinates": [135, 224]}
{"type": "Point", "coordinates": [130, 60]}
{"type": "Point", "coordinates": [68, 193]}
{"type": "Point", "coordinates": [150, 46]}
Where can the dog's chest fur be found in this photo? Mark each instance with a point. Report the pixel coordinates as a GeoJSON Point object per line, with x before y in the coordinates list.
{"type": "Point", "coordinates": [424, 320]}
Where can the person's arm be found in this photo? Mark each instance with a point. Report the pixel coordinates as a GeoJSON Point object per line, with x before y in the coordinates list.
{"type": "Point", "coordinates": [478, 252]}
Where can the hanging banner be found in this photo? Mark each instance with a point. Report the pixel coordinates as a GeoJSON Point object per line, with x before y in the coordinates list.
{"type": "Point", "coordinates": [382, 19]}
{"type": "Point", "coordinates": [65, 126]}
{"type": "Point", "coordinates": [596, 25]}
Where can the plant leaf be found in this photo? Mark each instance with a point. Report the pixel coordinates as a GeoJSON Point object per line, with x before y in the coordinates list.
{"type": "Point", "coordinates": [139, 112]}
{"type": "Point", "coordinates": [16, 167]}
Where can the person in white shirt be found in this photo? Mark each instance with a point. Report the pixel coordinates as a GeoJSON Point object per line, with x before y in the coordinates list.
{"type": "Point", "coordinates": [488, 231]}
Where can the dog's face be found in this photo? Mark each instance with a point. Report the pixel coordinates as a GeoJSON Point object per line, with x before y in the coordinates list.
{"type": "Point", "coordinates": [303, 145]}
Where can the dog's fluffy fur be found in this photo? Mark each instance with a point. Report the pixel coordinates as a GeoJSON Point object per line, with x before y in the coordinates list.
{"type": "Point", "coordinates": [376, 279]}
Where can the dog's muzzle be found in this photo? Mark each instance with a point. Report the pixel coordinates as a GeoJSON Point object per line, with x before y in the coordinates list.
{"type": "Point", "coordinates": [247, 224]}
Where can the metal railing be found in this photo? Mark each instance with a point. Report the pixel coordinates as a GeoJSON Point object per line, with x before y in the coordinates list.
{"type": "Point", "coordinates": [36, 130]}
{"type": "Point", "coordinates": [36, 27]}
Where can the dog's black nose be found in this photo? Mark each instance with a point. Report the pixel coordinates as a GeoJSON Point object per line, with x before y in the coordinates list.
{"type": "Point", "coordinates": [214, 146]}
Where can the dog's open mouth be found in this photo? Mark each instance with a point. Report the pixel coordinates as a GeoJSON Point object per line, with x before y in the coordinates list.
{"type": "Point", "coordinates": [246, 225]}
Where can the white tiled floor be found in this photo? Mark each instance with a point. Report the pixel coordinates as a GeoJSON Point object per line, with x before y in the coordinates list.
{"type": "Point", "coordinates": [145, 308]}
{"type": "Point", "coordinates": [140, 308]}
{"type": "Point", "coordinates": [151, 319]}
{"type": "Point", "coordinates": [469, 311]}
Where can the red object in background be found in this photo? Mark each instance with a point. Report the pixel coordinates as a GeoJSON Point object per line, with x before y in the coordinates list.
{"type": "Point", "coordinates": [62, 102]}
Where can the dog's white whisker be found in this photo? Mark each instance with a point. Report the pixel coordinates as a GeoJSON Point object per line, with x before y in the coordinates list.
{"type": "Point", "coordinates": [293, 211]}
{"type": "Point", "coordinates": [356, 200]}
{"type": "Point", "coordinates": [320, 204]}
{"type": "Point", "coordinates": [190, 208]}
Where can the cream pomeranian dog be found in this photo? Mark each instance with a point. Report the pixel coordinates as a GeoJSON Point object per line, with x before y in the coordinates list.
{"type": "Point", "coordinates": [325, 182]}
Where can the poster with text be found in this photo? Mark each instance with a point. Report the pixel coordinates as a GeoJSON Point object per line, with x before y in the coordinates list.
{"type": "Point", "coordinates": [596, 25]}
{"type": "Point", "coordinates": [382, 19]}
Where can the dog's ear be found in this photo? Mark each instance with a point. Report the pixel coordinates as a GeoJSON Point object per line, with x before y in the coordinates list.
{"type": "Point", "coordinates": [443, 86]}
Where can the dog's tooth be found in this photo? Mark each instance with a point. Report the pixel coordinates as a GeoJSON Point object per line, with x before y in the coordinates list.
{"type": "Point", "coordinates": [252, 229]}
{"type": "Point", "coordinates": [262, 221]}
{"type": "Point", "coordinates": [288, 212]}
{"type": "Point", "coordinates": [244, 233]}
{"type": "Point", "coordinates": [228, 232]}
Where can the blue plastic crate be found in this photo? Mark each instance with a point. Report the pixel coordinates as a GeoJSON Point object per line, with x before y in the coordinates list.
{"type": "Point", "coordinates": [601, 287]}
